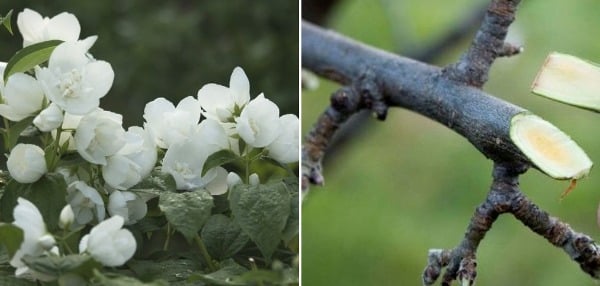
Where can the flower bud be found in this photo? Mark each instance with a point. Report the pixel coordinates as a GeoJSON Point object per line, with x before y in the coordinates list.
{"type": "Point", "coordinates": [109, 243]}
{"type": "Point", "coordinates": [49, 119]}
{"type": "Point", "coordinates": [254, 180]}
{"type": "Point", "coordinates": [26, 163]}
{"type": "Point", "coordinates": [233, 179]}
{"type": "Point", "coordinates": [66, 217]}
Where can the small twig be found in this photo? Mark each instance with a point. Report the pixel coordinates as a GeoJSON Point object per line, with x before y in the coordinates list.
{"type": "Point", "coordinates": [436, 260]}
{"type": "Point", "coordinates": [509, 50]}
{"type": "Point", "coordinates": [506, 197]}
{"type": "Point", "coordinates": [580, 247]}
{"type": "Point", "coordinates": [345, 102]}
{"type": "Point", "coordinates": [488, 44]}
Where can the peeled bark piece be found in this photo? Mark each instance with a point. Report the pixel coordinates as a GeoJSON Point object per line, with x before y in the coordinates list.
{"type": "Point", "coordinates": [570, 80]}
{"type": "Point", "coordinates": [552, 151]}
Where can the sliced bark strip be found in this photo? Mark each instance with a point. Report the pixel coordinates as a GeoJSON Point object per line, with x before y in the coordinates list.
{"type": "Point", "coordinates": [570, 80]}
{"type": "Point", "coordinates": [551, 150]}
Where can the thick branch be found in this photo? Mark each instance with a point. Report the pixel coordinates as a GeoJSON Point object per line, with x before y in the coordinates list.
{"type": "Point", "coordinates": [482, 119]}
{"type": "Point", "coordinates": [357, 124]}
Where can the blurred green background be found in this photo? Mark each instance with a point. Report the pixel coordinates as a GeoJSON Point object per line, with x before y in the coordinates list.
{"type": "Point", "coordinates": [171, 48]}
{"type": "Point", "coordinates": [409, 184]}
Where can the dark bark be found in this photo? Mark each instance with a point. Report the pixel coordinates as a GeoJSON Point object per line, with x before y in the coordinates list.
{"type": "Point", "coordinates": [375, 80]}
{"type": "Point", "coordinates": [359, 123]}
{"type": "Point", "coordinates": [482, 119]}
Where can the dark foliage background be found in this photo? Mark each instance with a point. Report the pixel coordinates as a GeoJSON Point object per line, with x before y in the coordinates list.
{"type": "Point", "coordinates": [171, 48]}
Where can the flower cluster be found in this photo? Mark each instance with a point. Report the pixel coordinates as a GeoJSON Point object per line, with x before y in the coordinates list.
{"type": "Point", "coordinates": [60, 99]}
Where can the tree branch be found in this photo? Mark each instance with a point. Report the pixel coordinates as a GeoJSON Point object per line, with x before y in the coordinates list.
{"type": "Point", "coordinates": [376, 80]}
{"type": "Point", "coordinates": [482, 119]}
{"type": "Point", "coordinates": [358, 123]}
{"type": "Point", "coordinates": [506, 197]}
{"type": "Point", "coordinates": [488, 44]}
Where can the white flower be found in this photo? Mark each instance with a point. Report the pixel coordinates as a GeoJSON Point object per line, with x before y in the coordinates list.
{"type": "Point", "coordinates": [218, 185]}
{"type": "Point", "coordinates": [36, 239]}
{"type": "Point", "coordinates": [168, 124]}
{"type": "Point", "coordinates": [108, 243]}
{"type": "Point", "coordinates": [253, 179]}
{"type": "Point", "coordinates": [73, 80]}
{"type": "Point", "coordinates": [26, 163]}
{"type": "Point", "coordinates": [49, 119]}
{"type": "Point", "coordinates": [285, 148]}
{"type": "Point", "coordinates": [66, 217]}
{"type": "Point", "coordinates": [127, 205]}
{"type": "Point", "coordinates": [133, 162]}
{"type": "Point", "coordinates": [233, 179]}
{"type": "Point", "coordinates": [220, 102]}
{"type": "Point", "coordinates": [35, 29]}
{"type": "Point", "coordinates": [99, 135]}
{"type": "Point", "coordinates": [184, 160]}
{"type": "Point", "coordinates": [22, 97]}
{"type": "Point", "coordinates": [85, 202]}
{"type": "Point", "coordinates": [258, 123]}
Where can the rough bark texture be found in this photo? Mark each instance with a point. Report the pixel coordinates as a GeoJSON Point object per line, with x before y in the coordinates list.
{"type": "Point", "coordinates": [482, 119]}
{"type": "Point", "coordinates": [375, 80]}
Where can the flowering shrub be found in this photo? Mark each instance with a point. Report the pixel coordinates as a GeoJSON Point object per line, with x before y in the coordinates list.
{"type": "Point", "coordinates": [205, 193]}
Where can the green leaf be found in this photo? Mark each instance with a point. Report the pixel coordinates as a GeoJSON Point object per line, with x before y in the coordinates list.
{"type": "Point", "coordinates": [262, 212]}
{"type": "Point", "coordinates": [172, 270]}
{"type": "Point", "coordinates": [120, 280]}
{"type": "Point", "coordinates": [217, 159]}
{"type": "Point", "coordinates": [11, 237]}
{"type": "Point", "coordinates": [11, 280]}
{"type": "Point", "coordinates": [187, 212]}
{"type": "Point", "coordinates": [29, 57]}
{"type": "Point", "coordinates": [223, 237]}
{"type": "Point", "coordinates": [150, 224]}
{"type": "Point", "coordinates": [157, 183]}
{"type": "Point", "coordinates": [48, 194]}
{"type": "Point", "coordinates": [292, 227]}
{"type": "Point", "coordinates": [15, 131]}
{"type": "Point", "coordinates": [6, 21]}
{"type": "Point", "coordinates": [56, 266]}
{"type": "Point", "coordinates": [224, 276]}
{"type": "Point", "coordinates": [278, 164]}
{"type": "Point", "coordinates": [261, 276]}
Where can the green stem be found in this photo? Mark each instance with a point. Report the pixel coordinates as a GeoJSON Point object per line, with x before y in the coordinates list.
{"type": "Point", "coordinates": [5, 135]}
{"type": "Point", "coordinates": [67, 248]}
{"type": "Point", "coordinates": [56, 153]}
{"type": "Point", "coordinates": [205, 254]}
{"type": "Point", "coordinates": [247, 176]}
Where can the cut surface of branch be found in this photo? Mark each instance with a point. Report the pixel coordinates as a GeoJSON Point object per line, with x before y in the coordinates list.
{"type": "Point", "coordinates": [569, 80]}
{"type": "Point", "coordinates": [551, 150]}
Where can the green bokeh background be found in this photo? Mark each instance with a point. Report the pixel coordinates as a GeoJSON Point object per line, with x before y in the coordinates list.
{"type": "Point", "coordinates": [171, 48]}
{"type": "Point", "coordinates": [409, 184]}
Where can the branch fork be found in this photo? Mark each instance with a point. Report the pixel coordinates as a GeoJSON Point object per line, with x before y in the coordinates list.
{"type": "Point", "coordinates": [344, 102]}
{"type": "Point", "coordinates": [376, 80]}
